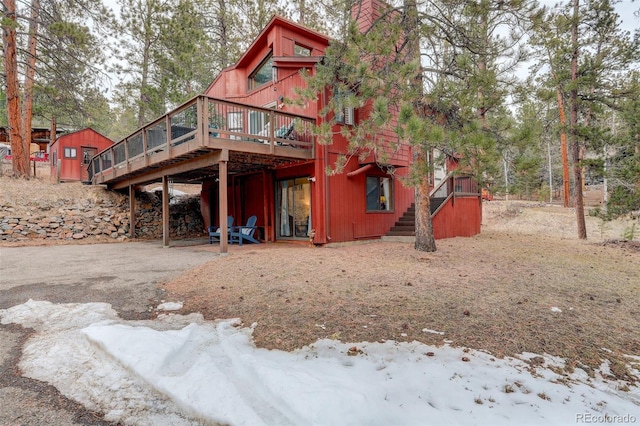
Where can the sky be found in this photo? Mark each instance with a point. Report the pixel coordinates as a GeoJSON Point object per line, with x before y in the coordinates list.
{"type": "Point", "coordinates": [182, 370]}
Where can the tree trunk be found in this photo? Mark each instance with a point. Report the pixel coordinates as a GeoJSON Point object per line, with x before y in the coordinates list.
{"type": "Point", "coordinates": [144, 73]}
{"type": "Point", "coordinates": [575, 147]}
{"type": "Point", "coordinates": [223, 30]}
{"type": "Point", "coordinates": [482, 62]}
{"type": "Point", "coordinates": [29, 81]}
{"type": "Point", "coordinates": [563, 149]}
{"type": "Point", "coordinates": [20, 158]}
{"type": "Point", "coordinates": [301, 11]}
{"type": "Point", "coordinates": [425, 240]}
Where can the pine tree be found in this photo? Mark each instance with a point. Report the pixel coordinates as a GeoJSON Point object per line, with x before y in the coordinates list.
{"type": "Point", "coordinates": [45, 38]}
{"type": "Point", "coordinates": [599, 54]}
{"type": "Point", "coordinates": [442, 95]}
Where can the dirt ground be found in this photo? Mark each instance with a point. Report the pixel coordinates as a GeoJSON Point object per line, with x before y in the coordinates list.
{"type": "Point", "coordinates": [526, 284]}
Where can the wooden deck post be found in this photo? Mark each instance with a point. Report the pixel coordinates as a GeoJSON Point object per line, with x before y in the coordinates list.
{"type": "Point", "coordinates": [132, 211]}
{"type": "Point", "coordinates": [165, 211]}
{"type": "Point", "coordinates": [222, 202]}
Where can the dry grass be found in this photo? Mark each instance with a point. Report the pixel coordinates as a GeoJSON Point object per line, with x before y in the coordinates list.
{"type": "Point", "coordinates": [36, 194]}
{"type": "Point", "coordinates": [493, 292]}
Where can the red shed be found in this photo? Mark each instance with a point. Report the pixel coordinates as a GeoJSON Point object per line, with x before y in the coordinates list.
{"type": "Point", "coordinates": [71, 153]}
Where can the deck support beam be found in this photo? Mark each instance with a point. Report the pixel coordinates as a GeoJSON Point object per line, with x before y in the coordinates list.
{"type": "Point", "coordinates": [222, 202]}
{"type": "Point", "coordinates": [132, 211]}
{"type": "Point", "coordinates": [165, 211]}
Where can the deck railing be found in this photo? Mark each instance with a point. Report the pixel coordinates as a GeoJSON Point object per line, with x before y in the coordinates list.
{"type": "Point", "coordinates": [204, 122]}
{"type": "Point", "coordinates": [453, 185]}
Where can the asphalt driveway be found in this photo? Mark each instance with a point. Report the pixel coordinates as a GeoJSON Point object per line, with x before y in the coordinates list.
{"type": "Point", "coordinates": [126, 275]}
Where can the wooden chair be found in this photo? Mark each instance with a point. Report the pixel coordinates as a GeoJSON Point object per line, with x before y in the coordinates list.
{"type": "Point", "coordinates": [245, 233]}
{"type": "Point", "coordinates": [215, 232]}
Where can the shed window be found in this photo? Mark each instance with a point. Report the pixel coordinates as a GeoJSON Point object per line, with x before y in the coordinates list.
{"type": "Point", "coordinates": [265, 73]}
{"type": "Point", "coordinates": [70, 153]}
{"type": "Point", "coordinates": [54, 158]}
{"type": "Point", "coordinates": [379, 193]}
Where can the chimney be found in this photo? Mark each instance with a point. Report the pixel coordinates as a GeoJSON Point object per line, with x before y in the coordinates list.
{"type": "Point", "coordinates": [366, 12]}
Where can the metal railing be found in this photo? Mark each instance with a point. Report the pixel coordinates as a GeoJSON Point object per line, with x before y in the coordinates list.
{"type": "Point", "coordinates": [204, 122]}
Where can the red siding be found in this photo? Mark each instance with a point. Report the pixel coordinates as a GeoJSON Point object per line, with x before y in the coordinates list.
{"type": "Point", "coordinates": [347, 209]}
{"type": "Point", "coordinates": [338, 202]}
{"type": "Point", "coordinates": [459, 217]}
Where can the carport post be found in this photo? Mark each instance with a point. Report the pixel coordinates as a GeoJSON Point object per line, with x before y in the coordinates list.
{"type": "Point", "coordinates": [132, 211]}
{"type": "Point", "coordinates": [224, 209]}
{"type": "Point", "coordinates": [165, 212]}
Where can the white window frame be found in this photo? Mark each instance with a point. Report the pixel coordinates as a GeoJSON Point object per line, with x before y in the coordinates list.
{"type": "Point", "coordinates": [70, 152]}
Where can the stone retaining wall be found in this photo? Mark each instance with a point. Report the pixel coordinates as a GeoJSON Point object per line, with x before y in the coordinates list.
{"type": "Point", "coordinates": [102, 219]}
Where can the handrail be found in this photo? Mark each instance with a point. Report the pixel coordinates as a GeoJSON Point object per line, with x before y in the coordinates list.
{"type": "Point", "coordinates": [455, 185]}
{"type": "Point", "coordinates": [440, 185]}
{"type": "Point", "coordinates": [199, 120]}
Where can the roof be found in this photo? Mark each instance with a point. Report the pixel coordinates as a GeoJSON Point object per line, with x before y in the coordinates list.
{"type": "Point", "coordinates": [260, 41]}
{"type": "Point", "coordinates": [80, 131]}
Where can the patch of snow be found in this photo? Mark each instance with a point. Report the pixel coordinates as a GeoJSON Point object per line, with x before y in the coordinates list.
{"type": "Point", "coordinates": [426, 330]}
{"type": "Point", "coordinates": [556, 309]}
{"type": "Point", "coordinates": [169, 306]}
{"type": "Point", "coordinates": [184, 370]}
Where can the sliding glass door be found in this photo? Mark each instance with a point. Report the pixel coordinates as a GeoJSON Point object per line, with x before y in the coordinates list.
{"type": "Point", "coordinates": [293, 208]}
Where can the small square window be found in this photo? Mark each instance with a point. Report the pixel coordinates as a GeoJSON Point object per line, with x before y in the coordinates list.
{"type": "Point", "coordinates": [70, 153]}
{"type": "Point", "coordinates": [301, 50]}
{"type": "Point", "coordinates": [379, 193]}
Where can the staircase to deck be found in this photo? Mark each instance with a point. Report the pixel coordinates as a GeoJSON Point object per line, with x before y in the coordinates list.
{"type": "Point", "coordinates": [463, 213]}
{"type": "Point", "coordinates": [406, 225]}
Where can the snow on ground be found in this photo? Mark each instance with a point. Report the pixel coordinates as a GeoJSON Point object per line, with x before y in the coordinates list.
{"type": "Point", "coordinates": [184, 370]}
{"type": "Point", "coordinates": [169, 306]}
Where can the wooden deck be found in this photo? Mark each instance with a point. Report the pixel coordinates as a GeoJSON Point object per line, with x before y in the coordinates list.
{"type": "Point", "coordinates": [193, 141]}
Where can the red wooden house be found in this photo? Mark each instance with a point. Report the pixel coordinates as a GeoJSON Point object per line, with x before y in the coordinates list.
{"type": "Point", "coordinates": [363, 202]}
{"type": "Point", "coordinates": [256, 156]}
{"type": "Point", "coordinates": [71, 153]}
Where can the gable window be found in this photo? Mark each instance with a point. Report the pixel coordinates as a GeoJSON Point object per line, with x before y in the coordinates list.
{"type": "Point", "coordinates": [379, 193]}
{"type": "Point", "coordinates": [301, 50]}
{"type": "Point", "coordinates": [70, 153]}
{"type": "Point", "coordinates": [265, 73]}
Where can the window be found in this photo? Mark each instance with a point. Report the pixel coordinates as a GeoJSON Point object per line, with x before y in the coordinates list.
{"type": "Point", "coordinates": [301, 50]}
{"type": "Point", "coordinates": [54, 158]}
{"type": "Point", "coordinates": [265, 73]}
{"type": "Point", "coordinates": [379, 193]}
{"type": "Point", "coordinates": [346, 114]}
{"type": "Point", "coordinates": [70, 153]}
{"type": "Point", "coordinates": [88, 153]}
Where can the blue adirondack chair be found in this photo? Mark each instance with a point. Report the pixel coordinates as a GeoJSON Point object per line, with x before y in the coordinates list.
{"type": "Point", "coordinates": [215, 232]}
{"type": "Point", "coordinates": [245, 233]}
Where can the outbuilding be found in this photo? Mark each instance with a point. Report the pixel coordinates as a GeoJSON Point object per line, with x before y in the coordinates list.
{"type": "Point", "coordinates": [71, 153]}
